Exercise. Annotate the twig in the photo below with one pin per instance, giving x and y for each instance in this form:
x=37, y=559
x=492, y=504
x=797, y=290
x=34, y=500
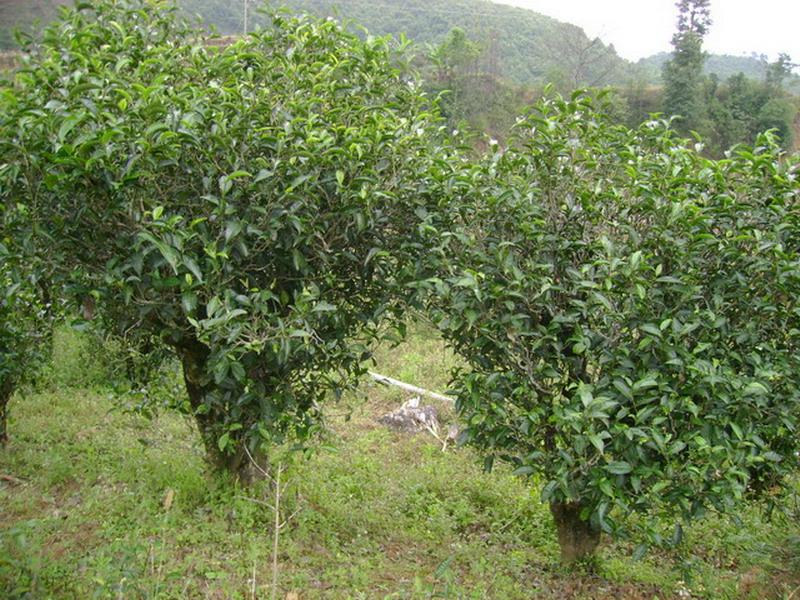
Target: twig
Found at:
x=408, y=387
x=276, y=533
x=253, y=583
x=794, y=591
x=257, y=501
x=12, y=479
x=255, y=464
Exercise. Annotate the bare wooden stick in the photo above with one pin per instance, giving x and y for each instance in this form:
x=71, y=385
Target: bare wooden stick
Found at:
x=253, y=583
x=253, y=461
x=408, y=387
x=11, y=479
x=276, y=532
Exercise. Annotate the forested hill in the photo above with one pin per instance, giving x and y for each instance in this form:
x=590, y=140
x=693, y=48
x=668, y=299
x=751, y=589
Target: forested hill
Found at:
x=722, y=65
x=520, y=44
x=24, y=14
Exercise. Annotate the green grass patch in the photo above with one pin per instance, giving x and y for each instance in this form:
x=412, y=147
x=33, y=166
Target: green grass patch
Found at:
x=379, y=514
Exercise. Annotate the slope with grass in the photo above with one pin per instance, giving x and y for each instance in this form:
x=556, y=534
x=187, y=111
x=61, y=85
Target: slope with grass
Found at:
x=95, y=502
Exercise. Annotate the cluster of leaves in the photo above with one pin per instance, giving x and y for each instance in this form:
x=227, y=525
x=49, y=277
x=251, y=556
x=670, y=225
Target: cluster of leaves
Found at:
x=628, y=313
x=250, y=210
x=25, y=313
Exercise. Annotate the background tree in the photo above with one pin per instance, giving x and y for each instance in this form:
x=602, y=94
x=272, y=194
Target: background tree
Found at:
x=253, y=209
x=778, y=72
x=683, y=73
x=472, y=95
x=577, y=61
x=626, y=311
x=742, y=108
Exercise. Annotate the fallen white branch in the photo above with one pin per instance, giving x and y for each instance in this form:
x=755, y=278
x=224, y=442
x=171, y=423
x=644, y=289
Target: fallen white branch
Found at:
x=408, y=387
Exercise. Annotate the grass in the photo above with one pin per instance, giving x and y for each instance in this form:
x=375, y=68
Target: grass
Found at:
x=97, y=503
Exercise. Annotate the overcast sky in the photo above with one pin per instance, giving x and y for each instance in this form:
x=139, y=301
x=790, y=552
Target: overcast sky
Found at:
x=639, y=28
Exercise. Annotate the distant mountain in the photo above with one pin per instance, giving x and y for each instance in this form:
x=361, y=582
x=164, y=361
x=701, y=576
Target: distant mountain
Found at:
x=26, y=15
x=521, y=45
x=723, y=65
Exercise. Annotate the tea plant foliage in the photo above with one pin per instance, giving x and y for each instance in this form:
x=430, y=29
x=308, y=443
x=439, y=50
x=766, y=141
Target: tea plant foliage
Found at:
x=25, y=311
x=627, y=312
x=250, y=209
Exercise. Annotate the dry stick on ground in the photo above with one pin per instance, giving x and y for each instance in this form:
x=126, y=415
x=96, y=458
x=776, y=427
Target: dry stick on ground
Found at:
x=422, y=391
x=11, y=479
x=280, y=488
x=408, y=387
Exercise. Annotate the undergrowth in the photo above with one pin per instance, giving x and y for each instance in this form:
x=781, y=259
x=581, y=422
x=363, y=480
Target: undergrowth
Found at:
x=99, y=503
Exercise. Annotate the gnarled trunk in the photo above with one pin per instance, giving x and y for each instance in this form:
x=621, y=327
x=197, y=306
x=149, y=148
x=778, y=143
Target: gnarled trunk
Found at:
x=577, y=538
x=6, y=389
x=199, y=385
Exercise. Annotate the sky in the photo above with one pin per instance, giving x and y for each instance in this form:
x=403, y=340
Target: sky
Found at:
x=639, y=28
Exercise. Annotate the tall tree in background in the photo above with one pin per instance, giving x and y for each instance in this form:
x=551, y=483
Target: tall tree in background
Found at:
x=778, y=72
x=683, y=73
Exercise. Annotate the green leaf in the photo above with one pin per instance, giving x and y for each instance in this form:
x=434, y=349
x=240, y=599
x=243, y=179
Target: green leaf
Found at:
x=585, y=393
x=677, y=534
x=189, y=302
x=597, y=442
x=639, y=552
x=68, y=125
x=618, y=468
x=190, y=264
x=651, y=328
x=645, y=383
x=262, y=175
x=755, y=389
x=297, y=182
x=323, y=306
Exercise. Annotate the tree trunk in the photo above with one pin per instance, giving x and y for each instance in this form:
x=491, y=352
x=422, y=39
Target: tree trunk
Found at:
x=577, y=538
x=209, y=418
x=6, y=389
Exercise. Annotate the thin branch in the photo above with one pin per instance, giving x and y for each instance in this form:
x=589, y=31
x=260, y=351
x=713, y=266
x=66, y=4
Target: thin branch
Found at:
x=257, y=501
x=276, y=533
x=255, y=464
x=408, y=387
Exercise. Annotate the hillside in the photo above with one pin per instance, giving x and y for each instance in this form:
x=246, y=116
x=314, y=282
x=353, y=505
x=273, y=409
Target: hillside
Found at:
x=26, y=15
x=722, y=65
x=521, y=45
